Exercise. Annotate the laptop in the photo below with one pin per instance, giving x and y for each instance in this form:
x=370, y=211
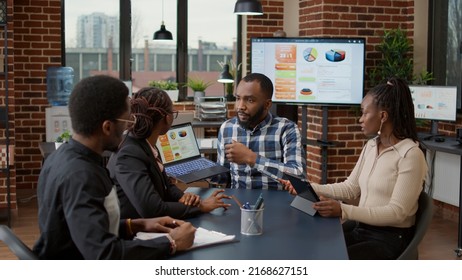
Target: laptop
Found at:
x=181, y=156
x=306, y=196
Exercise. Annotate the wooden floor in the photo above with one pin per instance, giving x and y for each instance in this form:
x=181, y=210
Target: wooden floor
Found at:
x=438, y=244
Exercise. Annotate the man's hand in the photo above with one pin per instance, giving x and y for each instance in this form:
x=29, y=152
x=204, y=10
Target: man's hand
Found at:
x=214, y=201
x=190, y=199
x=328, y=207
x=183, y=236
x=238, y=153
x=180, y=231
x=161, y=224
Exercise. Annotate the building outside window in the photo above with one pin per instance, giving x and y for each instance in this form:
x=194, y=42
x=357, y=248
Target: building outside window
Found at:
x=92, y=35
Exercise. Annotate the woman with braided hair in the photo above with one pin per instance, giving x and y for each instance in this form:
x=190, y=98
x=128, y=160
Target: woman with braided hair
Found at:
x=387, y=179
x=143, y=187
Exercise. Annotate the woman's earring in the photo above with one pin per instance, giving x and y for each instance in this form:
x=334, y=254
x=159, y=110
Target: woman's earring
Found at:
x=380, y=129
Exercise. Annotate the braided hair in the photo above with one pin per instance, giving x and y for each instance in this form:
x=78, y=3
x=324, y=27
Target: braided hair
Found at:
x=149, y=105
x=395, y=98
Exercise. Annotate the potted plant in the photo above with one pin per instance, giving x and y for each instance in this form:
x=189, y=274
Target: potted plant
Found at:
x=198, y=86
x=169, y=86
x=63, y=138
x=395, y=49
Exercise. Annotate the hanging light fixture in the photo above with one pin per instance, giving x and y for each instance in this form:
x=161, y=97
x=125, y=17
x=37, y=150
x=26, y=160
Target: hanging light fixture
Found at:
x=225, y=76
x=248, y=7
x=162, y=33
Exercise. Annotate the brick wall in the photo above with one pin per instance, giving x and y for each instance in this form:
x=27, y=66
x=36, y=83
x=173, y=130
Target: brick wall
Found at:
x=3, y=93
x=266, y=24
x=36, y=44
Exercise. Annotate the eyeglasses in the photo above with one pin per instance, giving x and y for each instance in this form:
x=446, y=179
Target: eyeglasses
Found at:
x=174, y=114
x=132, y=121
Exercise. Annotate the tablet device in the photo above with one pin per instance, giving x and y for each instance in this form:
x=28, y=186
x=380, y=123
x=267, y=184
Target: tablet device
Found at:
x=303, y=188
x=306, y=196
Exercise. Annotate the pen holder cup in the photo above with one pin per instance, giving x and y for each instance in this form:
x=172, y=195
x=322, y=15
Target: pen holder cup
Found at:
x=252, y=221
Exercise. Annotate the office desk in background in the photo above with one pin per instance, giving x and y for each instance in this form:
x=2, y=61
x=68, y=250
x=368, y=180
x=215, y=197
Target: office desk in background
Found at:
x=287, y=232
x=449, y=146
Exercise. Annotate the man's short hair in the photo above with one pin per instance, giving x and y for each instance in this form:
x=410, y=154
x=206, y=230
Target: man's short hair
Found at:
x=95, y=100
x=265, y=83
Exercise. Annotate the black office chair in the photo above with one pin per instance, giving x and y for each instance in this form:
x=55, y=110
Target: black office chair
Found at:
x=15, y=244
x=424, y=216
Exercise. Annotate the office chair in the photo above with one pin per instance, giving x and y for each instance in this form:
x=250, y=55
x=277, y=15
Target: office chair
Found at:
x=15, y=244
x=424, y=216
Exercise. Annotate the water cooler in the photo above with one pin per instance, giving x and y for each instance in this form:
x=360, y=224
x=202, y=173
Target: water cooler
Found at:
x=60, y=81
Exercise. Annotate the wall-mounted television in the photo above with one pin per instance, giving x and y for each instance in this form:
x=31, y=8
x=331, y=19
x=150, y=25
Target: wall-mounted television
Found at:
x=327, y=71
x=435, y=103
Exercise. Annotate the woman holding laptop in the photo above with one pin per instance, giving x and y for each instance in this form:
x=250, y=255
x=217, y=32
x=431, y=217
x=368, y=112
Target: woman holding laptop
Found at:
x=387, y=178
x=143, y=187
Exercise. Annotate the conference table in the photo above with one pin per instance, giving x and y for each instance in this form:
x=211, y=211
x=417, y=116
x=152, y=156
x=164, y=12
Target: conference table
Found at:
x=288, y=233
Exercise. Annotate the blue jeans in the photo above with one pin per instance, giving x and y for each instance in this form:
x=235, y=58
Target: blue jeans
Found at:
x=366, y=242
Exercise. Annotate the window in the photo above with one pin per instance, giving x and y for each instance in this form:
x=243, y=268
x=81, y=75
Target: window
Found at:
x=92, y=35
x=446, y=48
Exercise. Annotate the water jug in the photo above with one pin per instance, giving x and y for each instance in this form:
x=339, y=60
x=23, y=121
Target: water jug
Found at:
x=60, y=81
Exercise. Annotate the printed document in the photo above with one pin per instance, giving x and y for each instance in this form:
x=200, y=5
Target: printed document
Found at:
x=202, y=238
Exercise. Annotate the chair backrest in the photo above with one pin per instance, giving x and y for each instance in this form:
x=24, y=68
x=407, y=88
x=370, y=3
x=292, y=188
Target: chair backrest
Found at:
x=15, y=244
x=423, y=217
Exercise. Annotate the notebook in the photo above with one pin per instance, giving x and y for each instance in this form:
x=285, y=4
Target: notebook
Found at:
x=306, y=196
x=203, y=237
x=181, y=156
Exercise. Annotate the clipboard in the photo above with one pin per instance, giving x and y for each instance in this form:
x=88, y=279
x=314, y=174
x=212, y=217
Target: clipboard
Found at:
x=306, y=196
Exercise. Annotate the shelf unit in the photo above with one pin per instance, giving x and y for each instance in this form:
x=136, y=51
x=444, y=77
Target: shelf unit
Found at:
x=211, y=108
x=4, y=105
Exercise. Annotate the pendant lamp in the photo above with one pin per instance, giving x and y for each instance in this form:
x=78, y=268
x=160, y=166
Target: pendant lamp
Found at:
x=248, y=7
x=162, y=33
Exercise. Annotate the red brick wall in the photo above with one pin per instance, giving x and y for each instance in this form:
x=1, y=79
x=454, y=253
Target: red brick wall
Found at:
x=3, y=92
x=266, y=24
x=36, y=44
x=37, y=39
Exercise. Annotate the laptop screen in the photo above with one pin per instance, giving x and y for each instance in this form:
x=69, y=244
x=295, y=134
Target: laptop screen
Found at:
x=178, y=143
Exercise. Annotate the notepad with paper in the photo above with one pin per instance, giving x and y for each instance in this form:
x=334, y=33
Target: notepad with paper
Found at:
x=203, y=237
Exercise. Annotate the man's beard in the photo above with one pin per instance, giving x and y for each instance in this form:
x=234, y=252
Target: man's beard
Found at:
x=252, y=121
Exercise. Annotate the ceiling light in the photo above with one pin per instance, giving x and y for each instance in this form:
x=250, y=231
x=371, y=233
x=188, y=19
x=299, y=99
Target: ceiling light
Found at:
x=162, y=33
x=248, y=7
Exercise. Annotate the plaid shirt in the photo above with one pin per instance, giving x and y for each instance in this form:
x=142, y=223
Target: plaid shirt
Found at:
x=277, y=143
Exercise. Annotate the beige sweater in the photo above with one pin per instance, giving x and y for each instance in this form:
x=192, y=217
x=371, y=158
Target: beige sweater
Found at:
x=388, y=185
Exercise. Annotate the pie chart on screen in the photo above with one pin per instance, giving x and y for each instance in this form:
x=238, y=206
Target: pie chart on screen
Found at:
x=310, y=54
x=335, y=55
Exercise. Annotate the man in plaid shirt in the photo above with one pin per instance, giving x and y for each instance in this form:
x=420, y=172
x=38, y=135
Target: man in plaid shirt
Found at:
x=257, y=146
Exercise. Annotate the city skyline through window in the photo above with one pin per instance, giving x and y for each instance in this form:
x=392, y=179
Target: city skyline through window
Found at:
x=92, y=39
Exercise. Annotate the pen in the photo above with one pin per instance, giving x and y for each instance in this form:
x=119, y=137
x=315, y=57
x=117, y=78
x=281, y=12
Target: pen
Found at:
x=258, y=203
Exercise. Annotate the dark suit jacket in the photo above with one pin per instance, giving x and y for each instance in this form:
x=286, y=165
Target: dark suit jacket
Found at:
x=143, y=190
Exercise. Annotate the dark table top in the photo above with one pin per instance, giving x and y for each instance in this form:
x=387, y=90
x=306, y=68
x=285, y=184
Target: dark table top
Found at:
x=287, y=232
x=442, y=144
